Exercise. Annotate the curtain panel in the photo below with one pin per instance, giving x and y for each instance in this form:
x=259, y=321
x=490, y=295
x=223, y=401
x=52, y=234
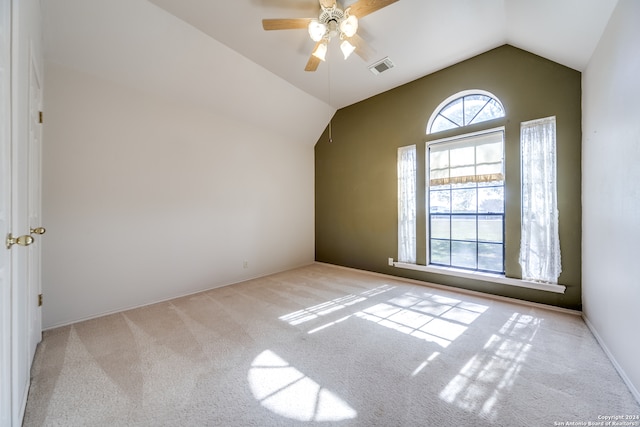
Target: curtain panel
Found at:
x=407, y=178
x=540, y=242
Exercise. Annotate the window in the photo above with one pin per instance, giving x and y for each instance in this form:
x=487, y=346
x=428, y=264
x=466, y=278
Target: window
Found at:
x=465, y=197
x=466, y=202
x=463, y=109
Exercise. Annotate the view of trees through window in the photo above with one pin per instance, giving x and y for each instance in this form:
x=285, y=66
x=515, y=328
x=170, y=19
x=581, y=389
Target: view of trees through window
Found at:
x=466, y=203
x=466, y=110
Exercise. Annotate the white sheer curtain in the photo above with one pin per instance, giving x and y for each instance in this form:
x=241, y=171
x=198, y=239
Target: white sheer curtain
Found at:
x=540, y=242
x=407, y=204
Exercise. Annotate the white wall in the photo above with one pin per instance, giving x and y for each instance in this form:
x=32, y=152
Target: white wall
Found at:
x=611, y=190
x=147, y=199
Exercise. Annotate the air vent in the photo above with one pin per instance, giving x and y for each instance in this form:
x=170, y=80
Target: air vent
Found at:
x=381, y=66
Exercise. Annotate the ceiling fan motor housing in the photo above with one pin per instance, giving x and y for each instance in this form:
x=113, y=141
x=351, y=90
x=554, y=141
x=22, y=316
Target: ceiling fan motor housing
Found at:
x=331, y=14
x=337, y=22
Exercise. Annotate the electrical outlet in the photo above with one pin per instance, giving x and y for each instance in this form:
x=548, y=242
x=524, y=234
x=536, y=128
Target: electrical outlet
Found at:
x=245, y=264
x=391, y=262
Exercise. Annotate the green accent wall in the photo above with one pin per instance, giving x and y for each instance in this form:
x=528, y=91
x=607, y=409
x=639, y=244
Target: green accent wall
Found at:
x=356, y=179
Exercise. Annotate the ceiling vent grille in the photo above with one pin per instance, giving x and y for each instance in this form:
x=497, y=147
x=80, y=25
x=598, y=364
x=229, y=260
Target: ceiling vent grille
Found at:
x=381, y=66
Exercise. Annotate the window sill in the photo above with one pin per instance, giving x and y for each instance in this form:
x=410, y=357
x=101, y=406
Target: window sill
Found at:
x=488, y=277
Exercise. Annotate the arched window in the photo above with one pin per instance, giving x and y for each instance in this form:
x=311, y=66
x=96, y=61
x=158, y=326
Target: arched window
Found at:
x=463, y=109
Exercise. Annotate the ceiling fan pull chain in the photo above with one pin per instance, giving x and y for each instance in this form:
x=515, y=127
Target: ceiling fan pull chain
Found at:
x=329, y=90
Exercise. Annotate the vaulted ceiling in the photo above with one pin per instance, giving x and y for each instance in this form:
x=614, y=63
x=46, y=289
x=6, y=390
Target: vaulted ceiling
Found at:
x=217, y=54
x=419, y=36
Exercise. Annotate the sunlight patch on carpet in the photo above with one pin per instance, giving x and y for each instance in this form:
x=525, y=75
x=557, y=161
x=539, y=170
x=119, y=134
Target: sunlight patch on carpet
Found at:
x=286, y=391
x=318, y=310
x=326, y=325
x=430, y=317
x=425, y=363
x=490, y=374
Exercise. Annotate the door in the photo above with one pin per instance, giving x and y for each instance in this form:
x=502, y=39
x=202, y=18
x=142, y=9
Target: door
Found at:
x=5, y=212
x=34, y=317
x=20, y=103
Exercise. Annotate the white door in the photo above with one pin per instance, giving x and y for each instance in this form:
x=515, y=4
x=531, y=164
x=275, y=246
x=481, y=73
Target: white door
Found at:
x=20, y=102
x=5, y=213
x=35, y=225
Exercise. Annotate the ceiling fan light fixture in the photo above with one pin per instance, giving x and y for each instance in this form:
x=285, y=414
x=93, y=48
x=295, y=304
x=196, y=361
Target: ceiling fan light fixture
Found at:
x=333, y=22
x=349, y=26
x=347, y=48
x=317, y=30
x=321, y=51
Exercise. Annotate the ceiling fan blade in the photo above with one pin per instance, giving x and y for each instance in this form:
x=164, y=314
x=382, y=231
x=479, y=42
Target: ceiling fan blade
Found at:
x=362, y=8
x=286, y=24
x=314, y=61
x=363, y=50
x=327, y=3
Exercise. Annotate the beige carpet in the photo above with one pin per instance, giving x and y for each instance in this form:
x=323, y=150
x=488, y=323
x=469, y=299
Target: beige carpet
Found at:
x=324, y=346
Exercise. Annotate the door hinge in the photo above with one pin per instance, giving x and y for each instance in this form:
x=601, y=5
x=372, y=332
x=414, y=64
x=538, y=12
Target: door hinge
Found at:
x=39, y=300
x=40, y=117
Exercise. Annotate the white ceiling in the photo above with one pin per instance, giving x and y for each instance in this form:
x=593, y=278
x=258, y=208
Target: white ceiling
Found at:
x=214, y=53
x=419, y=36
x=138, y=45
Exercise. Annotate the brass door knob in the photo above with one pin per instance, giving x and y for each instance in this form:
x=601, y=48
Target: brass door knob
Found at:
x=38, y=230
x=25, y=240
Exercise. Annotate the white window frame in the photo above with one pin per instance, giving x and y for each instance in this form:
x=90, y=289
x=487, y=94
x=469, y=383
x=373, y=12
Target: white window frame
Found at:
x=456, y=138
x=459, y=95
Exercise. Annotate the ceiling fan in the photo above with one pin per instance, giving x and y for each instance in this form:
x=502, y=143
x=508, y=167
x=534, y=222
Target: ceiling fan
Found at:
x=332, y=22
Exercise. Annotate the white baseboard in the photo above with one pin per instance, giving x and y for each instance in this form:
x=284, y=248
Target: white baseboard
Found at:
x=23, y=404
x=632, y=388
